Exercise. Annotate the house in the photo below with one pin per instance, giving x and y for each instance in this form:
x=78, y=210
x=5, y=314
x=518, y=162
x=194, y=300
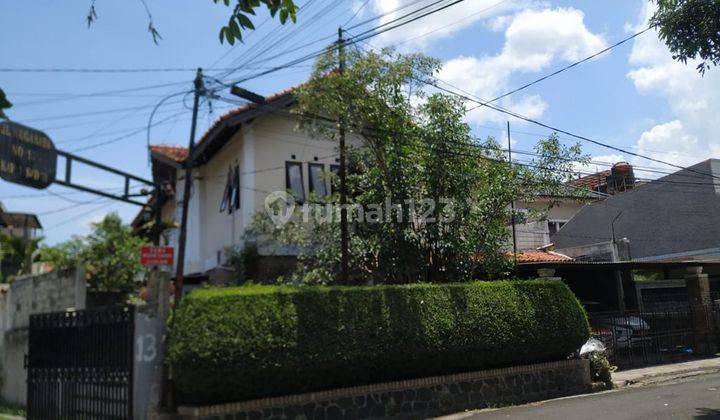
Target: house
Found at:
x=19, y=225
x=247, y=154
x=674, y=217
x=25, y=226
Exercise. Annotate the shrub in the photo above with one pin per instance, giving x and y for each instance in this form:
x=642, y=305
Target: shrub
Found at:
x=247, y=342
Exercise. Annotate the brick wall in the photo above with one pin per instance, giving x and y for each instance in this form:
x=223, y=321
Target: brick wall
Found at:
x=416, y=398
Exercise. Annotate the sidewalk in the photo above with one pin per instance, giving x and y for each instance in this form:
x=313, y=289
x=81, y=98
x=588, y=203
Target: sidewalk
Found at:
x=664, y=373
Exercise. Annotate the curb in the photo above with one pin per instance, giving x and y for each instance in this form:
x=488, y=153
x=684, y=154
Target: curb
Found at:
x=650, y=379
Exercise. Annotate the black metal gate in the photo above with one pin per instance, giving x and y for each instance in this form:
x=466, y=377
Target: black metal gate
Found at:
x=656, y=336
x=80, y=365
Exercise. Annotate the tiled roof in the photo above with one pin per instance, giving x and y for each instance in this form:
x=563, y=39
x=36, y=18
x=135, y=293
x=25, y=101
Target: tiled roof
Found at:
x=591, y=182
x=179, y=154
x=541, y=256
x=239, y=110
x=174, y=153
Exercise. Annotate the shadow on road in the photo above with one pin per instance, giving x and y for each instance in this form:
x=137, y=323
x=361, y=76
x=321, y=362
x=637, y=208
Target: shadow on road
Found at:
x=707, y=413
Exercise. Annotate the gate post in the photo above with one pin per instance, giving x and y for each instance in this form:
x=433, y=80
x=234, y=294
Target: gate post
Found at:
x=698, y=290
x=150, y=326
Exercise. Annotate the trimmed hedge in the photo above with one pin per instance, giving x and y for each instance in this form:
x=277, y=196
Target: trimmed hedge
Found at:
x=235, y=344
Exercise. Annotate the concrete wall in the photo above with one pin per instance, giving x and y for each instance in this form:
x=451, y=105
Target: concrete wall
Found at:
x=535, y=233
x=51, y=292
x=416, y=398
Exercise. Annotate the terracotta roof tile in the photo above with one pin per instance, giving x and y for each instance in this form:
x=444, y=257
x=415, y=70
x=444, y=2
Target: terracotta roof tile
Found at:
x=541, y=256
x=591, y=182
x=174, y=153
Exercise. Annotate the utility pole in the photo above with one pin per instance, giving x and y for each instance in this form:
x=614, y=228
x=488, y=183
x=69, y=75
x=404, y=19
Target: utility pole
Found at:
x=512, y=200
x=344, y=237
x=187, y=186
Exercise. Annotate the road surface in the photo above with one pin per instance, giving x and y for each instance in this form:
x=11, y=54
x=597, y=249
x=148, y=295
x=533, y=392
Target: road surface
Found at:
x=696, y=398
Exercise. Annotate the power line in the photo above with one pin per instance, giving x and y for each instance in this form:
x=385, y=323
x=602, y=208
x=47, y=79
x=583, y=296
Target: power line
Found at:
x=363, y=36
x=577, y=63
x=356, y=12
x=116, y=139
x=94, y=209
x=471, y=98
x=113, y=70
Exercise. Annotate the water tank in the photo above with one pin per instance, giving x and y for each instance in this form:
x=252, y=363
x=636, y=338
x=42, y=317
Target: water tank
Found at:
x=623, y=176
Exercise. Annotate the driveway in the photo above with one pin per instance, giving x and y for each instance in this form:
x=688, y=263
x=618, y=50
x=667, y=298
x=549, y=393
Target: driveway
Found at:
x=696, y=398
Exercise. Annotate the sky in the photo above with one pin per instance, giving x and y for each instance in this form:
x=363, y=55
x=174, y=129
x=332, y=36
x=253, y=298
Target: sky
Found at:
x=635, y=97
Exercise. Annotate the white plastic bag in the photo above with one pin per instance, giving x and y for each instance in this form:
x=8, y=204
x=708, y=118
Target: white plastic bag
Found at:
x=591, y=346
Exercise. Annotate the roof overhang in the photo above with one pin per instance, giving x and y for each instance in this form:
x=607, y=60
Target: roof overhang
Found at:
x=226, y=127
x=618, y=265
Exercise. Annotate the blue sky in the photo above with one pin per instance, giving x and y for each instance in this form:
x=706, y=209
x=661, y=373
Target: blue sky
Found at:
x=635, y=97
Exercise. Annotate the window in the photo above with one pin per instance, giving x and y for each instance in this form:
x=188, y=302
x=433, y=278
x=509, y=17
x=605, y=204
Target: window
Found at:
x=294, y=180
x=335, y=180
x=555, y=225
x=316, y=179
x=231, y=195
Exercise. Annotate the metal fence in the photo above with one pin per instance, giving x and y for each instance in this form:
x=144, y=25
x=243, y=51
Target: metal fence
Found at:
x=80, y=365
x=638, y=338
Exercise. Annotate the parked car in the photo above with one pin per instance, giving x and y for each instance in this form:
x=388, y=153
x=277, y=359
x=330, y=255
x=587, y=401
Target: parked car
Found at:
x=626, y=331
x=617, y=330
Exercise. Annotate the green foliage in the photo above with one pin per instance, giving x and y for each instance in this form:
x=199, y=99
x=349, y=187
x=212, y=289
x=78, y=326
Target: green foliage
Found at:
x=600, y=369
x=420, y=155
x=231, y=344
x=239, y=20
x=19, y=253
x=4, y=104
x=245, y=261
x=64, y=256
x=12, y=409
x=690, y=29
x=110, y=255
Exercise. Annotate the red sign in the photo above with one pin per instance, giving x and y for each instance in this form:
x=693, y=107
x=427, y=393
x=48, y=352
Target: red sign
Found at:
x=156, y=255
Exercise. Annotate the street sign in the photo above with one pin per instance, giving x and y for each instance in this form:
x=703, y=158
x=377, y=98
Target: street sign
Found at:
x=156, y=255
x=27, y=156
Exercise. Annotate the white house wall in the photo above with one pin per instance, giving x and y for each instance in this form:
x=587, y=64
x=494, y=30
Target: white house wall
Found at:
x=261, y=149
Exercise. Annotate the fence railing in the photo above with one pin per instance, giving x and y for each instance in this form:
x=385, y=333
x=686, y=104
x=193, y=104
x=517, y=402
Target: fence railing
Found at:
x=655, y=336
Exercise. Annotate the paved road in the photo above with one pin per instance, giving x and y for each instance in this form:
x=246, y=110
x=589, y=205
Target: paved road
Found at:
x=697, y=398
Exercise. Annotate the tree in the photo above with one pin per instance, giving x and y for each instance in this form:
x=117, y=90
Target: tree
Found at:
x=238, y=22
x=18, y=253
x=4, y=104
x=110, y=255
x=449, y=192
x=690, y=29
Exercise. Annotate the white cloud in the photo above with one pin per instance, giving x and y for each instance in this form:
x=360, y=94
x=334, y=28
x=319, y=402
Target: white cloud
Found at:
x=534, y=39
x=441, y=24
x=690, y=135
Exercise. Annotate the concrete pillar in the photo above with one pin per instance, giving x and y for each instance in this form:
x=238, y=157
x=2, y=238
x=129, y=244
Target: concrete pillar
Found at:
x=150, y=331
x=698, y=289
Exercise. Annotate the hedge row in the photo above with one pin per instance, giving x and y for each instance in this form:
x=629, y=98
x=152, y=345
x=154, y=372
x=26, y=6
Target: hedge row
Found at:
x=235, y=344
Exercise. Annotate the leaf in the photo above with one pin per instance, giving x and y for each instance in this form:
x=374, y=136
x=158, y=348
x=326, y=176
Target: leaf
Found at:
x=245, y=21
x=229, y=36
x=4, y=104
x=222, y=34
x=283, y=16
x=234, y=28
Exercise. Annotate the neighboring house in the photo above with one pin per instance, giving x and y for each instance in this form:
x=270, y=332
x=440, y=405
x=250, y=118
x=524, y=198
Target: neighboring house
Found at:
x=672, y=218
x=247, y=154
x=591, y=188
x=20, y=225
x=534, y=234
